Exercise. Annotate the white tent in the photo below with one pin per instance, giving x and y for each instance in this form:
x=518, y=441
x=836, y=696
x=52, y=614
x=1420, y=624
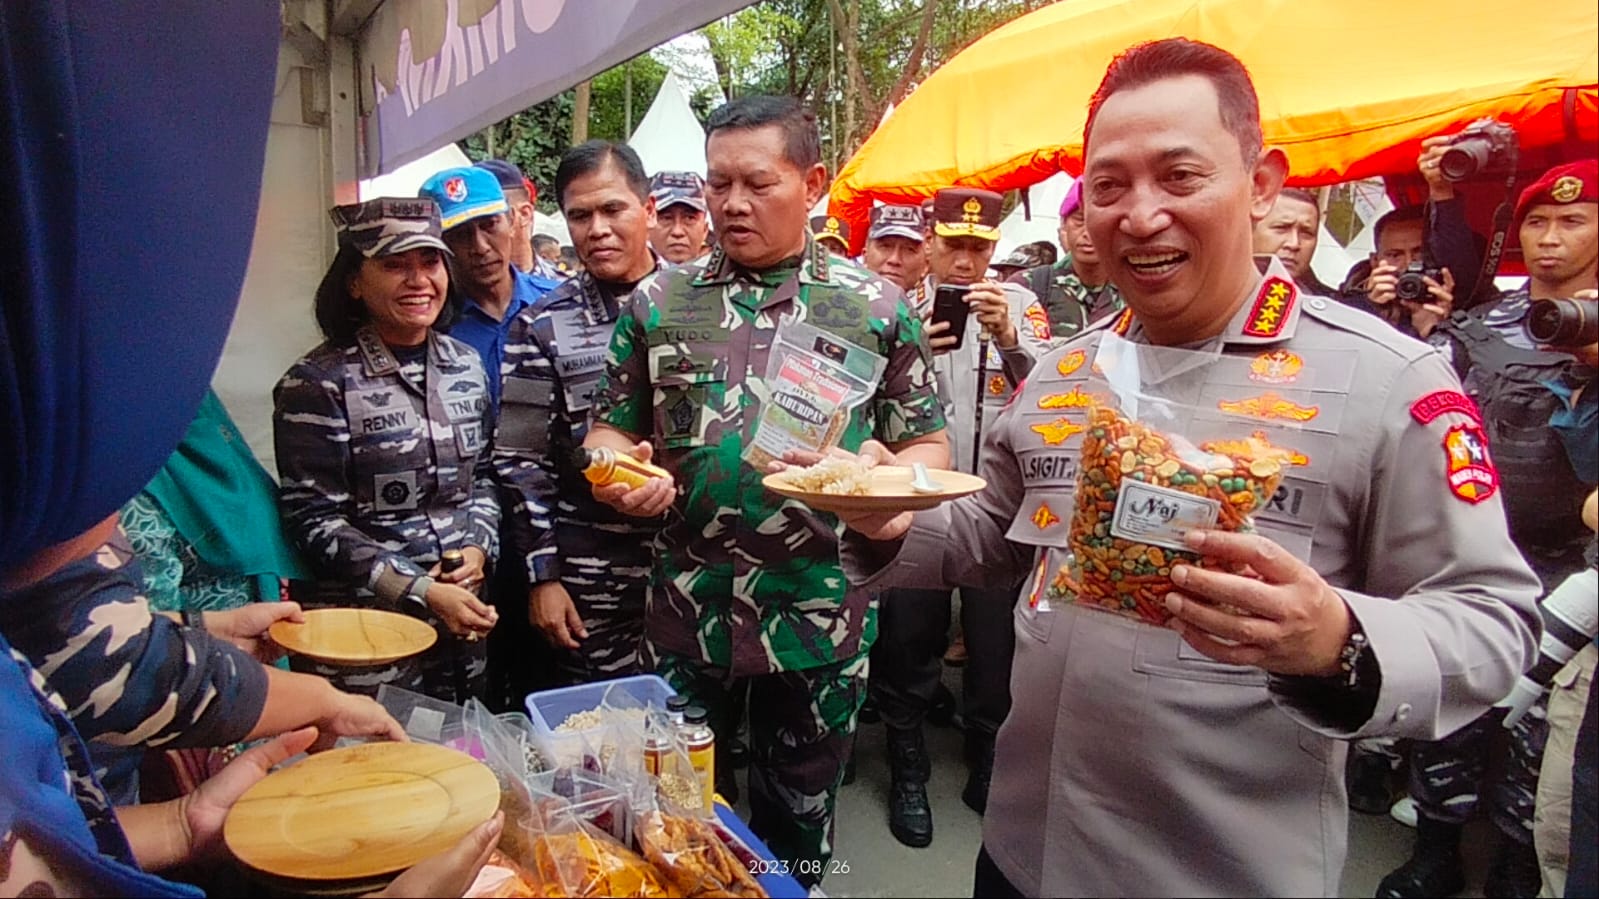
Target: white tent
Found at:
x=670, y=137
x=1044, y=198
x=406, y=180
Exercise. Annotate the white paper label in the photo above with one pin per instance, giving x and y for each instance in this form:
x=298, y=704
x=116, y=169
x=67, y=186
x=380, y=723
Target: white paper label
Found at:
x=1159, y=516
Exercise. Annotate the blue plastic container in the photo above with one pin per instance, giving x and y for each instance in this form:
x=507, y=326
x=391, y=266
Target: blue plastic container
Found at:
x=550, y=708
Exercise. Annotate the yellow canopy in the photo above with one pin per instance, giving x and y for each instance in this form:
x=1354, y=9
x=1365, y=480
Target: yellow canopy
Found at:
x=1347, y=87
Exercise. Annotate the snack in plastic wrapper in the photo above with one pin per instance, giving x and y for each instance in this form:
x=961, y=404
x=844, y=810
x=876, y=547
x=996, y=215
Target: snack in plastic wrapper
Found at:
x=1133, y=476
x=502, y=878
x=693, y=858
x=588, y=863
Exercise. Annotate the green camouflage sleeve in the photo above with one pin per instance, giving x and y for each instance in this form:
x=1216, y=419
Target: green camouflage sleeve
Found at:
x=906, y=403
x=622, y=399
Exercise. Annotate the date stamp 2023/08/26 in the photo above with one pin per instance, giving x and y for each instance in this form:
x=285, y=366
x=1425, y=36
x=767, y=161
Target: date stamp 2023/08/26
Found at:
x=811, y=867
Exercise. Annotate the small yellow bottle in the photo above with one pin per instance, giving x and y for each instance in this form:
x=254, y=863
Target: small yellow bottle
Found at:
x=603, y=465
x=699, y=741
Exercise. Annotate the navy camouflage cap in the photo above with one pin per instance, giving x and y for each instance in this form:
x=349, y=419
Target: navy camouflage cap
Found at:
x=678, y=189
x=897, y=221
x=388, y=225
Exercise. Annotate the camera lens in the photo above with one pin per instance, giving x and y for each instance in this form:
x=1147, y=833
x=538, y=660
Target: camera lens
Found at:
x=1465, y=158
x=1565, y=323
x=1410, y=287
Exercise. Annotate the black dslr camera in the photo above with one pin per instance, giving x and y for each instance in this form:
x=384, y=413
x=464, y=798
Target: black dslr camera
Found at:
x=1563, y=323
x=1485, y=147
x=1411, y=285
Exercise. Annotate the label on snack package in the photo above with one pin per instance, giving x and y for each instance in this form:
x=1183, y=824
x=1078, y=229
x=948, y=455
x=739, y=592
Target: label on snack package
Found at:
x=1159, y=516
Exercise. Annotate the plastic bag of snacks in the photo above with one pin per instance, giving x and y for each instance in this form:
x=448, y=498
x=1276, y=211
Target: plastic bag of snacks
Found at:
x=691, y=856
x=587, y=862
x=814, y=382
x=503, y=878
x=1142, y=483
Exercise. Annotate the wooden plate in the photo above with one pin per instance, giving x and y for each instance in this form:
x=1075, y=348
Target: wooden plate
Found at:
x=361, y=811
x=890, y=491
x=354, y=636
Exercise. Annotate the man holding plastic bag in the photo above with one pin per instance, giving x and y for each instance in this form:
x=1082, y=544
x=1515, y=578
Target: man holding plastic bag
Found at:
x=1255, y=526
x=770, y=347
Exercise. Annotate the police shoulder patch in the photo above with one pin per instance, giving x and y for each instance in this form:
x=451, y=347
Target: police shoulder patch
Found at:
x=1469, y=469
x=1440, y=402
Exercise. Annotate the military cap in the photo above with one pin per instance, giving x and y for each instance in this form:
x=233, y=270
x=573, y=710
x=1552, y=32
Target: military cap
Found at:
x=510, y=176
x=388, y=225
x=464, y=194
x=1574, y=182
x=967, y=212
x=897, y=221
x=678, y=189
x=831, y=227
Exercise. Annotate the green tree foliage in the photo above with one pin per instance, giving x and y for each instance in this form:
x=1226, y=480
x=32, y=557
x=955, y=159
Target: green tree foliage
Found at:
x=793, y=47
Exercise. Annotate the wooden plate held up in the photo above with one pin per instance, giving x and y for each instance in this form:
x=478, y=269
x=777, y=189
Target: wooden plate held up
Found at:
x=361, y=811
x=889, y=491
x=354, y=636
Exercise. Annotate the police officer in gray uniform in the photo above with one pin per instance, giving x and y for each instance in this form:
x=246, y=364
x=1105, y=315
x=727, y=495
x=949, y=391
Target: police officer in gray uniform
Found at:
x=1198, y=749
x=382, y=438
x=588, y=564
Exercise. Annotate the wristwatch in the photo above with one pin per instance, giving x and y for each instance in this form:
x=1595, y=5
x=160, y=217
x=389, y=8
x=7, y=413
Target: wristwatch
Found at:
x=419, y=589
x=194, y=618
x=1351, y=657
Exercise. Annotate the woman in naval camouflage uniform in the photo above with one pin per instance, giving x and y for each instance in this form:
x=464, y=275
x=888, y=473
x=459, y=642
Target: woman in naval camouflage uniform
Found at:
x=381, y=438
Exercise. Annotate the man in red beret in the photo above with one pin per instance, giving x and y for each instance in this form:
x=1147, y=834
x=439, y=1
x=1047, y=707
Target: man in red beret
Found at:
x=1525, y=392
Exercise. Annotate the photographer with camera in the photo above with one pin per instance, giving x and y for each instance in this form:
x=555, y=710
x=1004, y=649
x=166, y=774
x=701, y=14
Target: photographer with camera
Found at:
x=1537, y=403
x=1405, y=289
x=1484, y=148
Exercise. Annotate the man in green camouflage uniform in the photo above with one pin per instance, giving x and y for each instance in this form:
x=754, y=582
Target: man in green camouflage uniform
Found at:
x=1076, y=290
x=747, y=589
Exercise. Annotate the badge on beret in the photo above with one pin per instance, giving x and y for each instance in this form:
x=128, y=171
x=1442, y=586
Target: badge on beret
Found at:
x=1471, y=473
x=1566, y=189
x=455, y=189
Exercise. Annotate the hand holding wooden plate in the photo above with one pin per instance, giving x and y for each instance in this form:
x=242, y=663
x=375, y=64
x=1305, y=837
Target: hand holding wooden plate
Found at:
x=361, y=811
x=354, y=636
x=888, y=490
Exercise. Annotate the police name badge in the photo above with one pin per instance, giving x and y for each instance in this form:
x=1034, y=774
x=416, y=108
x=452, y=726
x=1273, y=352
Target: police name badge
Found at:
x=1146, y=513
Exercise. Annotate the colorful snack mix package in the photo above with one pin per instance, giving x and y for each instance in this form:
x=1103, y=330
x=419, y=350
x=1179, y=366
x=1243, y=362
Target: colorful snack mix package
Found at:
x=1138, y=490
x=1142, y=482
